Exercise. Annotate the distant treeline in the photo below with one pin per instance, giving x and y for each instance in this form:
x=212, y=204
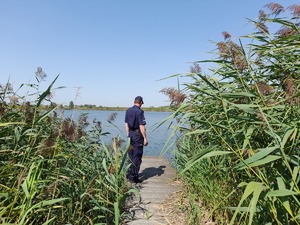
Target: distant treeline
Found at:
x=115, y=108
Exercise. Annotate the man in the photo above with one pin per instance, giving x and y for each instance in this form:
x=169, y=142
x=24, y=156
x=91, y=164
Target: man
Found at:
x=135, y=129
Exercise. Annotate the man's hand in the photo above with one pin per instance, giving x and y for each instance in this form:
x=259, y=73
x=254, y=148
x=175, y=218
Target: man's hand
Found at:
x=145, y=141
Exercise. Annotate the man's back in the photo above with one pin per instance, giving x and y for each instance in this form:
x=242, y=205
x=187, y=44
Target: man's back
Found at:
x=134, y=117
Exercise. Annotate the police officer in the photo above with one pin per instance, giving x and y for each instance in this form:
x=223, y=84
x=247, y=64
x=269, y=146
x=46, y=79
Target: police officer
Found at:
x=135, y=129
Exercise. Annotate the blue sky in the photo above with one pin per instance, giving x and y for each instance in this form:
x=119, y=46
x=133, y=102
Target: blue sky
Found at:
x=114, y=50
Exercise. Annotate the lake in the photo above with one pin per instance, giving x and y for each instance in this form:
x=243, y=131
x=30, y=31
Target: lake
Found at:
x=157, y=136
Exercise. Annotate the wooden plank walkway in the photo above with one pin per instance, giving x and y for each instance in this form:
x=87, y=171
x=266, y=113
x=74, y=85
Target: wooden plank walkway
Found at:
x=158, y=183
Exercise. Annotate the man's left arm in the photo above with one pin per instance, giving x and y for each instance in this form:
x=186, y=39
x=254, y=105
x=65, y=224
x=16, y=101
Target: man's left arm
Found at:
x=143, y=132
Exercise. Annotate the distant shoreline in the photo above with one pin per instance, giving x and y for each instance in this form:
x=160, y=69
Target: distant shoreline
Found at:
x=106, y=108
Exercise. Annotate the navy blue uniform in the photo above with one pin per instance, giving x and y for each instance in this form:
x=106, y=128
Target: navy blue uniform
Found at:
x=134, y=118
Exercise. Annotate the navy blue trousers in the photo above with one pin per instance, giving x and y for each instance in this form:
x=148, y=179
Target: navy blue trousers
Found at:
x=135, y=154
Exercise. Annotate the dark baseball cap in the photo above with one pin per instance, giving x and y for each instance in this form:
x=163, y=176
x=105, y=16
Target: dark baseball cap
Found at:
x=139, y=99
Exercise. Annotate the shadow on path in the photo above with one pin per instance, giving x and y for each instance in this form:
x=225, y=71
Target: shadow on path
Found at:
x=151, y=172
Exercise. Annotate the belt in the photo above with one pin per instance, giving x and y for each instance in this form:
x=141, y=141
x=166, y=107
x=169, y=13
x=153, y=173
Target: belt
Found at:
x=135, y=130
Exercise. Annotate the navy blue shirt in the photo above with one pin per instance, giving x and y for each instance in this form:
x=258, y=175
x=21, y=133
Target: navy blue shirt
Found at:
x=134, y=117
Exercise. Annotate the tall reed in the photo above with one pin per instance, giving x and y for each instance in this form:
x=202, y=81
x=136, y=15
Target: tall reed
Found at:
x=239, y=145
x=53, y=170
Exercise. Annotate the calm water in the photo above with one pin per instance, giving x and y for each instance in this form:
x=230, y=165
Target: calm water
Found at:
x=157, y=136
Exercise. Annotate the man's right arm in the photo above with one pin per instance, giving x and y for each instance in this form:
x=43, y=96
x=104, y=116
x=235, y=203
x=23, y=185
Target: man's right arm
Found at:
x=127, y=129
